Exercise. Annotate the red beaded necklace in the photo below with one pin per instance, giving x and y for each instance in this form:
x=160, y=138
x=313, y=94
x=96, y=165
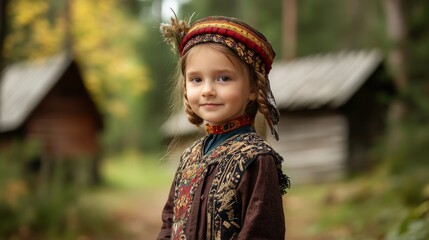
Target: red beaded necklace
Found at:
x=229, y=126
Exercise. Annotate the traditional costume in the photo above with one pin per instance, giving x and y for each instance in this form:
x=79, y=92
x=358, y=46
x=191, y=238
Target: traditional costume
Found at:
x=228, y=184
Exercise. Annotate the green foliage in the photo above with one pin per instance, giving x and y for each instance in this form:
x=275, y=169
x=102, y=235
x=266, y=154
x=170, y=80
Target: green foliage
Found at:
x=373, y=206
x=408, y=168
x=411, y=187
x=39, y=197
x=356, y=208
x=336, y=25
x=154, y=105
x=407, y=155
x=415, y=226
x=132, y=170
x=417, y=22
x=12, y=187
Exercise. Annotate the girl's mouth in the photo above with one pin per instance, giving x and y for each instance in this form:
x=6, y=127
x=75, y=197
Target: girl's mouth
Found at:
x=210, y=105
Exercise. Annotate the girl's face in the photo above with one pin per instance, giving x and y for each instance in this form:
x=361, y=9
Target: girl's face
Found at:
x=217, y=84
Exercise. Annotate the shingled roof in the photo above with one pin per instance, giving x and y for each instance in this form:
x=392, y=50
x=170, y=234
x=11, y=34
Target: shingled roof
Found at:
x=322, y=80
x=24, y=85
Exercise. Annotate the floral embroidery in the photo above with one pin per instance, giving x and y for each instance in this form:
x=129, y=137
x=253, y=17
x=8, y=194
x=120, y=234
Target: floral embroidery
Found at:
x=188, y=177
x=229, y=126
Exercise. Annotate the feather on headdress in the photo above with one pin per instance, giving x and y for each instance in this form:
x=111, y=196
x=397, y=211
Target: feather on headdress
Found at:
x=174, y=32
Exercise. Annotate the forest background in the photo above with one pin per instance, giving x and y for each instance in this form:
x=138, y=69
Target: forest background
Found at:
x=128, y=69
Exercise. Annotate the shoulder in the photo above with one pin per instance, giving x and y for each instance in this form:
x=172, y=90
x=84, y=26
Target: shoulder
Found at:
x=264, y=154
x=245, y=148
x=255, y=146
x=195, y=145
x=254, y=141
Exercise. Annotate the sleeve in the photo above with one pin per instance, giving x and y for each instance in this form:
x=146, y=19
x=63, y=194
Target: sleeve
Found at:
x=167, y=216
x=262, y=206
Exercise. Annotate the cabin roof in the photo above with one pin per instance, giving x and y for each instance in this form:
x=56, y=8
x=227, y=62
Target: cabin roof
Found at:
x=322, y=80
x=24, y=85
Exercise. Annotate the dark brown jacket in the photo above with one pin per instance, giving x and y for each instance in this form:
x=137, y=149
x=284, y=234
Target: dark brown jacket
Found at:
x=260, y=198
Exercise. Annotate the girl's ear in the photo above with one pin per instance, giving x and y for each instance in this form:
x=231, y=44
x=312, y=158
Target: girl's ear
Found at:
x=252, y=96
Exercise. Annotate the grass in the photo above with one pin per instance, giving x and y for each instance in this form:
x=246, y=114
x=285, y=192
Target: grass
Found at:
x=133, y=194
x=370, y=206
x=126, y=206
x=133, y=171
x=128, y=177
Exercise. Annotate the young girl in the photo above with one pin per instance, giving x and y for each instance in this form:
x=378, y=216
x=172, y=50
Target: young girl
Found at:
x=229, y=183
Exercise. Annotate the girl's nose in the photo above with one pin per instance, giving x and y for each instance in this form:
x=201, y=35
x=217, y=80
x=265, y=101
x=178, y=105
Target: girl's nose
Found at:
x=208, y=89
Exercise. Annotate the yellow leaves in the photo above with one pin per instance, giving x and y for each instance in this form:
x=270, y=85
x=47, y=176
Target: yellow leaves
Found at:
x=26, y=12
x=32, y=35
x=130, y=76
x=118, y=108
x=13, y=191
x=49, y=38
x=106, y=36
x=11, y=40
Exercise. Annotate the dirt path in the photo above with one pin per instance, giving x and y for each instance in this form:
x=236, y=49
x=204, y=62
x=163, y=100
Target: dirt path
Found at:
x=301, y=218
x=140, y=216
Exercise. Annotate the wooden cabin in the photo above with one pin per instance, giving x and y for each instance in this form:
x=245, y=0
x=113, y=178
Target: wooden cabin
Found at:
x=332, y=113
x=47, y=101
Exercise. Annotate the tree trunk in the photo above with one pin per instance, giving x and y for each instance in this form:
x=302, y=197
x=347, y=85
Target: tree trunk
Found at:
x=68, y=37
x=355, y=14
x=396, y=32
x=3, y=19
x=289, y=31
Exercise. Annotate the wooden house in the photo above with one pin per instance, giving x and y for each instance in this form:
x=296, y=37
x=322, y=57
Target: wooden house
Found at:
x=46, y=101
x=331, y=110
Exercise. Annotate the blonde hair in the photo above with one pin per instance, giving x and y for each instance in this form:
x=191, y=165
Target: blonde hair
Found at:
x=257, y=80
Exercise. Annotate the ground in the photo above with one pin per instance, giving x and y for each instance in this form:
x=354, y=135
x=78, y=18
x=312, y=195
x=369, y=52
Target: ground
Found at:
x=140, y=215
x=367, y=207
x=136, y=202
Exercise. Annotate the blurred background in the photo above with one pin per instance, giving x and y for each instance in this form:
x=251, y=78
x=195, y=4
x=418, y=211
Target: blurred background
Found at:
x=85, y=117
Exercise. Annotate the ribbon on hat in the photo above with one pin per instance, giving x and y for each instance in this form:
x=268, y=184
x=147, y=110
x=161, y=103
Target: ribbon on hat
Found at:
x=274, y=111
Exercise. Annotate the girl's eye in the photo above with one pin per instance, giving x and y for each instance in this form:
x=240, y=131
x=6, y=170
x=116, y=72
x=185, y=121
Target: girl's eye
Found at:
x=195, y=80
x=224, y=78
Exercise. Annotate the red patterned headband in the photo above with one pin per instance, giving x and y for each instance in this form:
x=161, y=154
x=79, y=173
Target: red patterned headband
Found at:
x=234, y=34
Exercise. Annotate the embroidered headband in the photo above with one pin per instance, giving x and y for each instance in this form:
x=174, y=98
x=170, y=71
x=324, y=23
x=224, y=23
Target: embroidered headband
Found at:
x=250, y=45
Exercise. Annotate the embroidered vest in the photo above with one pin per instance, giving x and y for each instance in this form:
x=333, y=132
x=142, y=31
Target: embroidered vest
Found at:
x=223, y=210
